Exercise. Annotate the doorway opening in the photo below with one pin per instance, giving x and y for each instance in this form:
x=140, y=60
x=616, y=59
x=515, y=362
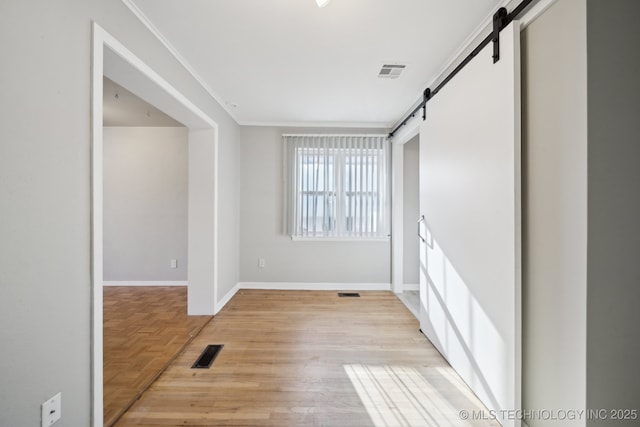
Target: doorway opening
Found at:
x=113, y=60
x=410, y=216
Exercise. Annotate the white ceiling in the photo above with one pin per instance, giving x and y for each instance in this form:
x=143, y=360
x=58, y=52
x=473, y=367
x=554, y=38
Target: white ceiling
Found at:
x=122, y=108
x=288, y=62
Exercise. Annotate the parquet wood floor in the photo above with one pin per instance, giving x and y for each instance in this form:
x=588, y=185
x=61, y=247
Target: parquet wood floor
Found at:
x=308, y=358
x=145, y=328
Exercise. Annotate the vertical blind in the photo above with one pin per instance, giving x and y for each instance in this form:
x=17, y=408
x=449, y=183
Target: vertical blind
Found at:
x=337, y=186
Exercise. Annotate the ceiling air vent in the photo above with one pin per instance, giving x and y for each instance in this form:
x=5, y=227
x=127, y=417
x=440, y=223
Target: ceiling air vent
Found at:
x=391, y=71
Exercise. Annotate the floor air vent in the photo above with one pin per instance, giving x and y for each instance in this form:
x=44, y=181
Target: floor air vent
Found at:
x=207, y=357
x=349, y=294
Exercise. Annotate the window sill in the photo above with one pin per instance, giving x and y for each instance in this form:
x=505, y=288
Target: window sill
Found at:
x=341, y=239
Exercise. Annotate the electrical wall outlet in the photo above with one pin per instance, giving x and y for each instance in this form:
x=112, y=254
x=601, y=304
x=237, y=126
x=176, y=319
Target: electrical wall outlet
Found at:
x=261, y=263
x=52, y=410
x=174, y=263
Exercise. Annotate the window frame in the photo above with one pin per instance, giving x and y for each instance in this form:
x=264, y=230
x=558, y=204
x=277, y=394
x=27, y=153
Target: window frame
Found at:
x=378, y=222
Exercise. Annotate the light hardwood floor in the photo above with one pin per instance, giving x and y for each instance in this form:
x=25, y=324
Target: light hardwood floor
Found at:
x=145, y=328
x=309, y=359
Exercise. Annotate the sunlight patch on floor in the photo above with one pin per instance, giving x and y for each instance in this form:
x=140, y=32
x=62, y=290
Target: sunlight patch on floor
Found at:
x=401, y=396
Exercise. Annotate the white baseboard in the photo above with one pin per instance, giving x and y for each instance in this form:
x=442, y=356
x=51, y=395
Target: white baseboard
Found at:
x=143, y=283
x=302, y=286
x=411, y=287
x=225, y=299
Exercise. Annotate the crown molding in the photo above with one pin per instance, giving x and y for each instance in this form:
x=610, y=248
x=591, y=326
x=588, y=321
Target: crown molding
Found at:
x=349, y=125
x=187, y=66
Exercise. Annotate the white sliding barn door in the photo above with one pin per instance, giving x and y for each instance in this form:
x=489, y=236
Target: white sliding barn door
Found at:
x=470, y=198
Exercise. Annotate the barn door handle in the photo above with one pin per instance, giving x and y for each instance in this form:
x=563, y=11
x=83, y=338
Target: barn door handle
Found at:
x=420, y=221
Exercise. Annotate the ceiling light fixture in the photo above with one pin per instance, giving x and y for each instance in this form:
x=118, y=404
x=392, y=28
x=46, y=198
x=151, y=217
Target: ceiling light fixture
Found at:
x=322, y=3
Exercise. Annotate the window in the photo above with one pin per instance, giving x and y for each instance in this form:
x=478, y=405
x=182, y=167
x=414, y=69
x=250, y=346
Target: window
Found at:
x=337, y=186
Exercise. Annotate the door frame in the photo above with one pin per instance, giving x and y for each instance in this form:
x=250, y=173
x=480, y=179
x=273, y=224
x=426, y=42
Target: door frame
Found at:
x=110, y=57
x=410, y=130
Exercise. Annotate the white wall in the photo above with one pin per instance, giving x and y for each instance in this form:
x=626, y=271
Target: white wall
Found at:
x=580, y=153
x=263, y=233
x=45, y=289
x=411, y=211
x=202, y=248
x=228, y=209
x=554, y=172
x=145, y=203
x=613, y=281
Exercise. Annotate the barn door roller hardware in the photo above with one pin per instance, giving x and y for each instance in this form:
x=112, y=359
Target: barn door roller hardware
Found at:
x=500, y=21
x=426, y=95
